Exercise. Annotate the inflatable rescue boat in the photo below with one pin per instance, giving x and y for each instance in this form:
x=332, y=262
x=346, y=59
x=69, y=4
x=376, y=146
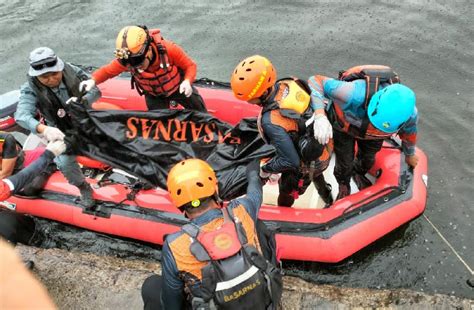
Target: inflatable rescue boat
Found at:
x=305, y=232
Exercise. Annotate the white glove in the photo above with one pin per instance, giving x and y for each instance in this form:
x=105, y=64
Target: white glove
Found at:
x=322, y=129
x=185, y=88
x=272, y=177
x=53, y=134
x=86, y=85
x=57, y=147
x=71, y=100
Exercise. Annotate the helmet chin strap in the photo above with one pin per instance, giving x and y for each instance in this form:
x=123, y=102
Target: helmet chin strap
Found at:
x=267, y=94
x=218, y=200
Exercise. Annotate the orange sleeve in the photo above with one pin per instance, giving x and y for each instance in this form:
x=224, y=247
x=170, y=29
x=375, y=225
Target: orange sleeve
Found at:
x=181, y=60
x=108, y=71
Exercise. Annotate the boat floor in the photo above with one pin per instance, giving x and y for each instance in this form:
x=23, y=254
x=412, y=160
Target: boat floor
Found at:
x=310, y=199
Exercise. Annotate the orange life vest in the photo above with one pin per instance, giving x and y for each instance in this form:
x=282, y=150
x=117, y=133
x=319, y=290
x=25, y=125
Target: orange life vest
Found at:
x=374, y=75
x=163, y=81
x=287, y=109
x=292, y=121
x=188, y=266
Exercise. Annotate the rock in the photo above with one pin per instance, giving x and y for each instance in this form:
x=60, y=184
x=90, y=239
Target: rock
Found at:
x=87, y=281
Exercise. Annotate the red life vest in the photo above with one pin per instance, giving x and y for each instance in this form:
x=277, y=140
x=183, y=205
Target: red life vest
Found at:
x=374, y=75
x=163, y=81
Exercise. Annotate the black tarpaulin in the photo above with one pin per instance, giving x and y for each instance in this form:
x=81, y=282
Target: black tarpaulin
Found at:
x=148, y=144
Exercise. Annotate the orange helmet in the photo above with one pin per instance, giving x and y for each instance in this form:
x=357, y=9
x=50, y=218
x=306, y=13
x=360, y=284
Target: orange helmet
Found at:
x=252, y=77
x=191, y=180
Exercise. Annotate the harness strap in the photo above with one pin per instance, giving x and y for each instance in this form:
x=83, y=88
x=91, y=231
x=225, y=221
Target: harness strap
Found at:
x=191, y=230
x=197, y=249
x=162, y=54
x=135, y=85
x=238, y=225
x=372, y=86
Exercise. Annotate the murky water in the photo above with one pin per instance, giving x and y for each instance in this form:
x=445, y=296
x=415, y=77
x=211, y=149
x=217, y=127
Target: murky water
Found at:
x=429, y=44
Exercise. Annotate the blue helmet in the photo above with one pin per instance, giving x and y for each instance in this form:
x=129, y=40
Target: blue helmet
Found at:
x=390, y=107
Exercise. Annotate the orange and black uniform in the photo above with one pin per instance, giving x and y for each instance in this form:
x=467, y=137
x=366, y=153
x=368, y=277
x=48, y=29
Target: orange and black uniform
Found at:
x=284, y=134
x=169, y=66
x=180, y=269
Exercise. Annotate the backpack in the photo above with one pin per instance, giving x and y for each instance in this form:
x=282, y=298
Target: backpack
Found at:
x=374, y=75
x=237, y=275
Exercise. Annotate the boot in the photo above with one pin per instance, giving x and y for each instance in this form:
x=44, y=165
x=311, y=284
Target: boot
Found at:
x=327, y=196
x=324, y=191
x=361, y=181
x=285, y=200
x=86, y=195
x=344, y=190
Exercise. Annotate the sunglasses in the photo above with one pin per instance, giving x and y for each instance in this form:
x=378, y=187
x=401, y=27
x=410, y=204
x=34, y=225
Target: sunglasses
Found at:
x=45, y=63
x=136, y=60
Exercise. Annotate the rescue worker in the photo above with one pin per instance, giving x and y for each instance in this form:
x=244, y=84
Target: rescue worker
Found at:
x=13, y=159
x=160, y=69
x=52, y=85
x=213, y=244
x=285, y=123
x=366, y=108
x=15, y=183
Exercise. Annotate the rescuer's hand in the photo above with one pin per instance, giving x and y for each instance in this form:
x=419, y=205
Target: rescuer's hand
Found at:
x=186, y=88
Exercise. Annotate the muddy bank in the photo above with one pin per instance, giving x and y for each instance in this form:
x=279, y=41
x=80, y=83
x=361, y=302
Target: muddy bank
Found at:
x=86, y=281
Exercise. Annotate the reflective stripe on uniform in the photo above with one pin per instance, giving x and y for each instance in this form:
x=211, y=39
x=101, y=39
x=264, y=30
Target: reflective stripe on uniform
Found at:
x=9, y=183
x=237, y=280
